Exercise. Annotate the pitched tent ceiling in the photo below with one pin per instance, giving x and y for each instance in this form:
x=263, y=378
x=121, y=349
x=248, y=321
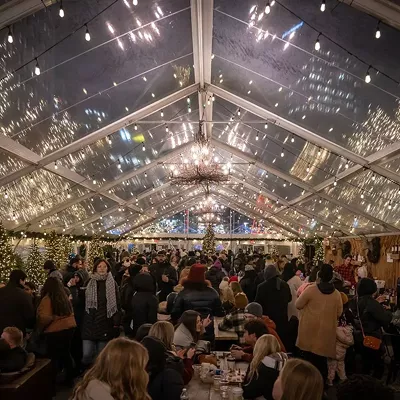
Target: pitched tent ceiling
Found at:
x=85, y=148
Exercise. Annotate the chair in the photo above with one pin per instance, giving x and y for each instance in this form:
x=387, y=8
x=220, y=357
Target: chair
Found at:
x=7, y=377
x=391, y=343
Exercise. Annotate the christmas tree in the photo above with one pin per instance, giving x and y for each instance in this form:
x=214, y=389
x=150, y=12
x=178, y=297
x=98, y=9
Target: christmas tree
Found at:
x=95, y=250
x=319, y=251
x=7, y=259
x=302, y=252
x=65, y=250
x=34, y=265
x=53, y=248
x=209, y=240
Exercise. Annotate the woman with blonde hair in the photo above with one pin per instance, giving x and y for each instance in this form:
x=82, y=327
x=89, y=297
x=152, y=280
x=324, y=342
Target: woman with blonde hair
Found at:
x=264, y=369
x=298, y=380
x=164, y=331
x=119, y=373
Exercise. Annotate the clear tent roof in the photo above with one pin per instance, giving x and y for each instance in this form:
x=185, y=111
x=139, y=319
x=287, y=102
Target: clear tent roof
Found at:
x=87, y=145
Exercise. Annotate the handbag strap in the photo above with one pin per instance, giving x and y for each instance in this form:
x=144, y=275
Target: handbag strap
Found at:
x=359, y=316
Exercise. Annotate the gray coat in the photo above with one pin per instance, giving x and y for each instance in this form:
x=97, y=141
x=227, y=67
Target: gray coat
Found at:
x=97, y=390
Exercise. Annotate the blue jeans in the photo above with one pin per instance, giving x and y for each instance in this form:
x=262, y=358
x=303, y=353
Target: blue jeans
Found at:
x=91, y=349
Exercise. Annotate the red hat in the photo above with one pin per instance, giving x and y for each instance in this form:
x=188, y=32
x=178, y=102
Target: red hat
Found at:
x=197, y=273
x=233, y=279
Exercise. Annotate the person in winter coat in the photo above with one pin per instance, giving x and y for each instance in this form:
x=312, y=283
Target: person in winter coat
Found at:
x=227, y=296
x=344, y=339
x=144, y=304
x=197, y=295
x=74, y=265
x=263, y=371
x=21, y=314
x=118, y=373
x=52, y=272
x=164, y=381
x=320, y=307
x=373, y=317
x=294, y=282
x=165, y=275
x=102, y=311
x=215, y=274
x=274, y=296
x=12, y=355
x=248, y=282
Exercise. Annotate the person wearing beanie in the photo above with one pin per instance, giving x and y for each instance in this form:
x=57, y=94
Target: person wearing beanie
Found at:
x=320, y=307
x=248, y=282
x=274, y=297
x=215, y=274
x=234, y=278
x=198, y=295
x=236, y=319
x=52, y=271
x=373, y=317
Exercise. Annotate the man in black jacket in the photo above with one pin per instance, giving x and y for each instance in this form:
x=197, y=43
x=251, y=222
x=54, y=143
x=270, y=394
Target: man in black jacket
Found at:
x=16, y=307
x=165, y=275
x=75, y=264
x=12, y=355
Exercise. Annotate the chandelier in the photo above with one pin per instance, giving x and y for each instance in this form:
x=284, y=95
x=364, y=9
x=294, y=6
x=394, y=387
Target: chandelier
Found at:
x=200, y=168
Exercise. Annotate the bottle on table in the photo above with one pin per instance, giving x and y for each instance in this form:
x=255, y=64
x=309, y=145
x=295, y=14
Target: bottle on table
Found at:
x=184, y=395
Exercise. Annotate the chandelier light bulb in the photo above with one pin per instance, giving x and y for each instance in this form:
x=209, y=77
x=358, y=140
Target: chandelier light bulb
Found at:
x=323, y=6
x=87, y=34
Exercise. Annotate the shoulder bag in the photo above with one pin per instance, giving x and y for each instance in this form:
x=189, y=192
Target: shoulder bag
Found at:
x=370, y=342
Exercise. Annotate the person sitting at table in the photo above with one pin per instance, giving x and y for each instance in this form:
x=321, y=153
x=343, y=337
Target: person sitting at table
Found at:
x=298, y=380
x=189, y=330
x=255, y=311
x=164, y=381
x=12, y=355
x=235, y=320
x=253, y=330
x=264, y=368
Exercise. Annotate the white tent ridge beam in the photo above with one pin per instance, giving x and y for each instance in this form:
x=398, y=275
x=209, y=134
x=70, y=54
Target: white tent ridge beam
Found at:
x=355, y=210
x=305, y=133
x=16, y=10
x=25, y=154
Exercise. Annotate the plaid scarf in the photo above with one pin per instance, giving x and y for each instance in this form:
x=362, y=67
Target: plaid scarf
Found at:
x=91, y=293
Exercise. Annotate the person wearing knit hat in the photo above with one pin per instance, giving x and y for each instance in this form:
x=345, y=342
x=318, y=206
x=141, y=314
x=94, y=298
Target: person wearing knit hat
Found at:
x=233, y=279
x=215, y=274
x=236, y=319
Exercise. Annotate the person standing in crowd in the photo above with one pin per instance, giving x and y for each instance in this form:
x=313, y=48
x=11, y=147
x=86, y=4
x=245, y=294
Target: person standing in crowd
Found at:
x=223, y=258
x=248, y=282
x=274, y=297
x=12, y=355
x=264, y=368
x=164, y=381
x=165, y=275
x=294, y=282
x=16, y=307
x=215, y=274
x=122, y=267
x=236, y=319
x=74, y=265
x=56, y=319
x=346, y=271
x=373, y=317
x=198, y=295
x=298, y=380
x=52, y=271
x=118, y=373
x=253, y=330
x=102, y=311
x=308, y=281
x=320, y=307
x=31, y=289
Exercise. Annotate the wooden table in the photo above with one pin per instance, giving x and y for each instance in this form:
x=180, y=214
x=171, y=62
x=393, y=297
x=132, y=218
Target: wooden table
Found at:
x=223, y=335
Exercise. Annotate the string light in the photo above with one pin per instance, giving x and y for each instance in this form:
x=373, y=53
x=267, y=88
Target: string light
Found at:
x=109, y=140
x=145, y=174
x=143, y=147
x=282, y=153
x=189, y=109
x=6, y=194
x=362, y=195
x=272, y=3
x=347, y=165
x=87, y=34
x=323, y=6
x=373, y=177
x=94, y=181
x=266, y=125
x=238, y=112
x=319, y=151
x=378, y=31
x=41, y=206
x=68, y=195
x=257, y=136
x=292, y=139
x=267, y=8
x=55, y=165
x=166, y=128
x=10, y=36
x=368, y=76
x=135, y=2
x=61, y=12
x=119, y=164
x=135, y=127
x=213, y=98
x=162, y=113
x=308, y=168
x=188, y=100
x=390, y=205
x=37, y=68
x=31, y=178
x=317, y=45
x=335, y=182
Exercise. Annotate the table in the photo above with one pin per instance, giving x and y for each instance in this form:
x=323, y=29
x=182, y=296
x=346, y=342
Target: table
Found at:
x=223, y=335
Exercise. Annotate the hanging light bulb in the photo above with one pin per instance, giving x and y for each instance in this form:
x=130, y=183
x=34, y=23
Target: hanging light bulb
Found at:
x=87, y=34
x=119, y=164
x=266, y=125
x=373, y=177
x=68, y=195
x=55, y=165
x=10, y=36
x=189, y=109
x=272, y=3
x=292, y=139
x=61, y=12
x=257, y=136
x=94, y=181
x=319, y=152
x=37, y=68
x=317, y=45
x=347, y=165
x=308, y=168
x=378, y=31
x=268, y=8
x=390, y=205
x=335, y=182
x=362, y=195
x=135, y=2
x=143, y=147
x=368, y=76
x=323, y=6
x=135, y=127
x=31, y=178
x=6, y=195
x=239, y=112
x=282, y=153
x=41, y=206
x=213, y=98
x=109, y=139
x=145, y=174
x=166, y=128
x=162, y=113
x=188, y=100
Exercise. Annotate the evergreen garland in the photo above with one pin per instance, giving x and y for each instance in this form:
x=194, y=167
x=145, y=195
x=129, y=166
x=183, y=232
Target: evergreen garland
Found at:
x=209, y=240
x=7, y=258
x=34, y=265
x=95, y=250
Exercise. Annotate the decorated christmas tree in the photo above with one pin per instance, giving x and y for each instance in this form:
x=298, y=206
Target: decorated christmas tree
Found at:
x=209, y=239
x=53, y=248
x=7, y=259
x=65, y=250
x=95, y=250
x=319, y=251
x=302, y=252
x=34, y=265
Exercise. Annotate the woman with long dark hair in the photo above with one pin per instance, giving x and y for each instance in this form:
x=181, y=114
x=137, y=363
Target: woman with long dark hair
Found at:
x=189, y=329
x=102, y=311
x=294, y=282
x=56, y=319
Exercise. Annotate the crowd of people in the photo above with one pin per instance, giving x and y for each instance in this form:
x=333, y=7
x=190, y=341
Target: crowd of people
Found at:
x=134, y=329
